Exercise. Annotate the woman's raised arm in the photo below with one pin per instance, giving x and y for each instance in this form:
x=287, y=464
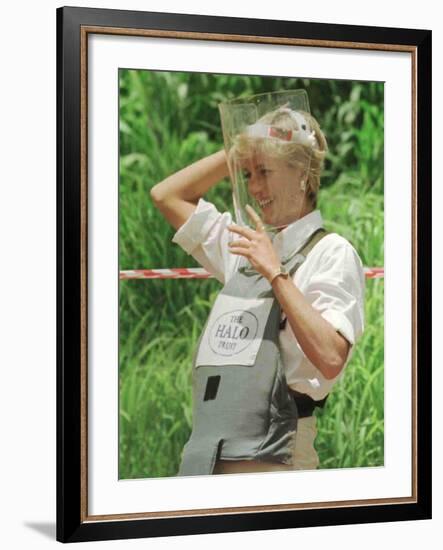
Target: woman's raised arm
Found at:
x=177, y=196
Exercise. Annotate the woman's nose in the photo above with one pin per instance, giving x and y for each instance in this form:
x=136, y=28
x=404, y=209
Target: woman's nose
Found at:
x=254, y=183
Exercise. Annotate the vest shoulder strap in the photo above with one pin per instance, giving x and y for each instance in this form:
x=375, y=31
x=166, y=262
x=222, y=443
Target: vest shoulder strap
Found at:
x=301, y=255
x=313, y=240
x=307, y=247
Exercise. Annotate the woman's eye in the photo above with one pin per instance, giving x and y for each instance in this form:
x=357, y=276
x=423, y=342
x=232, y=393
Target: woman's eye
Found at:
x=265, y=171
x=246, y=174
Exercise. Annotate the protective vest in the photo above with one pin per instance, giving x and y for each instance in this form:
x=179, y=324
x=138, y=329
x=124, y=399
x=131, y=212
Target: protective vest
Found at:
x=242, y=407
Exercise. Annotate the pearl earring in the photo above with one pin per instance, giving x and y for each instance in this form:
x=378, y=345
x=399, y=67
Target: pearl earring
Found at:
x=303, y=185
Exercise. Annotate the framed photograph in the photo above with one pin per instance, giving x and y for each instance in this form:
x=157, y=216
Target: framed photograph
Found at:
x=179, y=409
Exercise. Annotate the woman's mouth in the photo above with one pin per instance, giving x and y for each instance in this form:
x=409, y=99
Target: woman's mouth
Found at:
x=264, y=202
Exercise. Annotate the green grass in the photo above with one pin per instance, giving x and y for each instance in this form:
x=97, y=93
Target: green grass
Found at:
x=168, y=120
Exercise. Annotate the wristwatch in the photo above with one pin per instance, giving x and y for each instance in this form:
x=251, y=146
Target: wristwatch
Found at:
x=281, y=272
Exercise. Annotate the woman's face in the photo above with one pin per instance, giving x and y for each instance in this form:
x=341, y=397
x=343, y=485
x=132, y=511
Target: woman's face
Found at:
x=275, y=187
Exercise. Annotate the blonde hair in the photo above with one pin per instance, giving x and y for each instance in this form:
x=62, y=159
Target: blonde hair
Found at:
x=294, y=154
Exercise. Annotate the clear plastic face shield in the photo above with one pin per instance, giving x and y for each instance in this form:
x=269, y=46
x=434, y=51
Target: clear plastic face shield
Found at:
x=269, y=143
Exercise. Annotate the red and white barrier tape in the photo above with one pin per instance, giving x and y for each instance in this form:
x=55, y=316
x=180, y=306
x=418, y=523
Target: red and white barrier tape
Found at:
x=200, y=273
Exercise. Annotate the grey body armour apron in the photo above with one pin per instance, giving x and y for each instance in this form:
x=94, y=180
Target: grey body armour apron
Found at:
x=243, y=409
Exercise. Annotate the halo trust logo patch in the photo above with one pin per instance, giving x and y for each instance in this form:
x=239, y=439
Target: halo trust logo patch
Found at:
x=233, y=332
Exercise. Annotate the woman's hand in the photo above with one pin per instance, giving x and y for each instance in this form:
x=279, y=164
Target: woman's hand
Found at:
x=177, y=196
x=321, y=343
x=256, y=246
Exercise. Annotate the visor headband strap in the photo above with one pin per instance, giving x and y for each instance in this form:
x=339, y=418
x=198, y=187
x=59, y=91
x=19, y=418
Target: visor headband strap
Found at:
x=259, y=130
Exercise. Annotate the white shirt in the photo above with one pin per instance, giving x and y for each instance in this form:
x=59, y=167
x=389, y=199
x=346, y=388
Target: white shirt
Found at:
x=331, y=279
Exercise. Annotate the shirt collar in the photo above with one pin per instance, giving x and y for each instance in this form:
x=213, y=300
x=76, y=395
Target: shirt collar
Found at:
x=294, y=236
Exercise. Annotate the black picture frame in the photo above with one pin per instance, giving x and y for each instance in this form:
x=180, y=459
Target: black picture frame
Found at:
x=73, y=26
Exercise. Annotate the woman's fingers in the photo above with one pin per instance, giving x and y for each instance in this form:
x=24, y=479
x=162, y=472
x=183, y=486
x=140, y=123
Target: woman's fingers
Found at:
x=240, y=251
x=247, y=231
x=244, y=243
x=243, y=231
x=240, y=247
x=259, y=226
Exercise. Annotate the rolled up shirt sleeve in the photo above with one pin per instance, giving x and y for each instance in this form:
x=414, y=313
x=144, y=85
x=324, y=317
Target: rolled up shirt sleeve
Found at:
x=337, y=289
x=205, y=236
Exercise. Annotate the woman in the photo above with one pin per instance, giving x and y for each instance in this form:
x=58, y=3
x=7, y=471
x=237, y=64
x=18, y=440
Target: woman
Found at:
x=284, y=325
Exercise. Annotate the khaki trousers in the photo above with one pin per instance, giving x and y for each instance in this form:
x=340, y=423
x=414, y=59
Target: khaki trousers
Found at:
x=304, y=456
